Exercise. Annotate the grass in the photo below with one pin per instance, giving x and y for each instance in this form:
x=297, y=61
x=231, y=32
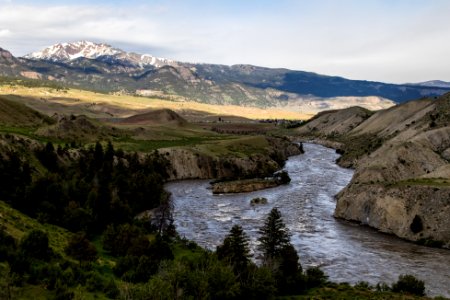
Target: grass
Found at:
x=346, y=291
x=356, y=147
x=436, y=182
x=89, y=103
x=242, y=146
x=18, y=224
x=24, y=131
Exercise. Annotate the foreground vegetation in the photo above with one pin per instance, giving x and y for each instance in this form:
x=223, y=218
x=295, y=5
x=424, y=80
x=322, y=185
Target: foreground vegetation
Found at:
x=133, y=262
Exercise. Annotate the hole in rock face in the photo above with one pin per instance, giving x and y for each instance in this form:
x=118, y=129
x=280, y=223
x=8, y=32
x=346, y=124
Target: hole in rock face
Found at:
x=416, y=225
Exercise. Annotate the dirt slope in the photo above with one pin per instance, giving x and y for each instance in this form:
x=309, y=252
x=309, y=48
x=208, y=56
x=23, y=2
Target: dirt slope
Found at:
x=336, y=122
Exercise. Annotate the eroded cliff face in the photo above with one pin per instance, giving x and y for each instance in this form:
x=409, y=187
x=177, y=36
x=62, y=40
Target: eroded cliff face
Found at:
x=403, y=187
x=414, y=212
x=401, y=158
x=188, y=163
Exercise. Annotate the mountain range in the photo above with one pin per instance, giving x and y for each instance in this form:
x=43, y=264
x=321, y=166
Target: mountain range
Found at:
x=101, y=67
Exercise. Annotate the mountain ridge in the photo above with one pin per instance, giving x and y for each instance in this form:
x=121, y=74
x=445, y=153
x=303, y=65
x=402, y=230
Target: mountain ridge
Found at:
x=65, y=52
x=433, y=83
x=101, y=67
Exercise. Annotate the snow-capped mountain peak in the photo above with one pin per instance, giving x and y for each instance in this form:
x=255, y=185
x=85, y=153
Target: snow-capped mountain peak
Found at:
x=71, y=51
x=65, y=52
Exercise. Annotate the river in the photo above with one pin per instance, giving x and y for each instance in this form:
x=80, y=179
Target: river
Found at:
x=346, y=252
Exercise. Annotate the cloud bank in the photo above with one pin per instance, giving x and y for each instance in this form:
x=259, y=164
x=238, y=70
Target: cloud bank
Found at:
x=391, y=41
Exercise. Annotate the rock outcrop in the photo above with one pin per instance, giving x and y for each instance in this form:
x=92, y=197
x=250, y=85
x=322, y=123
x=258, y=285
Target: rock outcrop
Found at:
x=243, y=186
x=401, y=183
x=398, y=209
x=188, y=163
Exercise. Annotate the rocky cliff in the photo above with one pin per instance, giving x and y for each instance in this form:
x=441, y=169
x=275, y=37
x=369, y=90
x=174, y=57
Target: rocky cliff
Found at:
x=401, y=157
x=189, y=163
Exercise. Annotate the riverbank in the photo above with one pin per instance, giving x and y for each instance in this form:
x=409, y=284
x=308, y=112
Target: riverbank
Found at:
x=346, y=251
x=401, y=158
x=242, y=157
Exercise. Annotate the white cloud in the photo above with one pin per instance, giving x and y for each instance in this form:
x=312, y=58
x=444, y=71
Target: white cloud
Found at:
x=4, y=32
x=368, y=42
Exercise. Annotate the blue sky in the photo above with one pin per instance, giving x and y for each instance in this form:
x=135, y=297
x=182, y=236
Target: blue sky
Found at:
x=392, y=41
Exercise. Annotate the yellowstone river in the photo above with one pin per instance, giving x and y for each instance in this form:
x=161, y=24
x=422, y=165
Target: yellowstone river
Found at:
x=346, y=252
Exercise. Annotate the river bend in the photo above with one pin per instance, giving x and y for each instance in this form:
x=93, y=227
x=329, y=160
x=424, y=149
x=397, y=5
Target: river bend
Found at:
x=346, y=252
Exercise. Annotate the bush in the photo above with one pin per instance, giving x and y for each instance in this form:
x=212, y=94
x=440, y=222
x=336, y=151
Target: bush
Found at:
x=409, y=284
x=35, y=245
x=80, y=248
x=416, y=225
x=260, y=284
x=315, y=277
x=382, y=287
x=363, y=285
x=7, y=245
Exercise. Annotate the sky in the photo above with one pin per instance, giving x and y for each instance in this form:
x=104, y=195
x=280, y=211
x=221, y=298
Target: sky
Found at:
x=395, y=41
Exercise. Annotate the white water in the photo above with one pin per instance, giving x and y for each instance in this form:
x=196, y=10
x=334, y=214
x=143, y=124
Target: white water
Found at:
x=346, y=252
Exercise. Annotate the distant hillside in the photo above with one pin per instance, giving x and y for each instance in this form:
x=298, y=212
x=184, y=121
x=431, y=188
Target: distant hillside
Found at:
x=101, y=67
x=336, y=122
x=159, y=116
x=434, y=83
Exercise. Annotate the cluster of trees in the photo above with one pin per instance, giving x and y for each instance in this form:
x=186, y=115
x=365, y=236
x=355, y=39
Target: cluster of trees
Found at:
x=227, y=273
x=281, y=272
x=96, y=193
x=100, y=187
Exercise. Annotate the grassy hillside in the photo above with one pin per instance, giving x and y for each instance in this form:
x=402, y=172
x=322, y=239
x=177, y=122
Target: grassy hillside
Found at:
x=72, y=101
x=16, y=114
x=18, y=224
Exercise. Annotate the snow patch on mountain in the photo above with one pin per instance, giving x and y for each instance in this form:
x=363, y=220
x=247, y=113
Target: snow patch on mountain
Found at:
x=65, y=52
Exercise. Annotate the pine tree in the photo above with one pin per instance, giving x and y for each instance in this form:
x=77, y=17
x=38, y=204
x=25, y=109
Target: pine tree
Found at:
x=235, y=249
x=274, y=236
x=98, y=155
x=279, y=255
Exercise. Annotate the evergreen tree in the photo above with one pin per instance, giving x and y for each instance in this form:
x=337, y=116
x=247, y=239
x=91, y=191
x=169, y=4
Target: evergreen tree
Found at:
x=109, y=152
x=279, y=255
x=48, y=157
x=235, y=250
x=98, y=155
x=274, y=236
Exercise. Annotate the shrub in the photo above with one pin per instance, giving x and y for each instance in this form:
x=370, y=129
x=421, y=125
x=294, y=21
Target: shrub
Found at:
x=80, y=248
x=416, y=225
x=315, y=277
x=409, y=284
x=35, y=245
